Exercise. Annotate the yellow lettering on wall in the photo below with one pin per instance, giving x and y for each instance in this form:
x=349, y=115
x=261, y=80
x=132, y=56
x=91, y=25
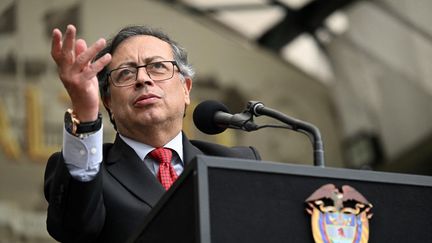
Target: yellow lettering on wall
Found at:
x=37, y=149
x=8, y=142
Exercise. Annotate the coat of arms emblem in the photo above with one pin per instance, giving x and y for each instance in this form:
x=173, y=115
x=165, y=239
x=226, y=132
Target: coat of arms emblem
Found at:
x=339, y=216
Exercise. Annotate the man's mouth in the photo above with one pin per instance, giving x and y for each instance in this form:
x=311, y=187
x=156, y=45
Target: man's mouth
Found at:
x=146, y=99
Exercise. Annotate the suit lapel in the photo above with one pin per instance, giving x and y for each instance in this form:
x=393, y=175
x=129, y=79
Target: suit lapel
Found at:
x=125, y=165
x=189, y=151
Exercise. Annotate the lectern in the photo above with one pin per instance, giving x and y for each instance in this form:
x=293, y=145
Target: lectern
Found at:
x=224, y=200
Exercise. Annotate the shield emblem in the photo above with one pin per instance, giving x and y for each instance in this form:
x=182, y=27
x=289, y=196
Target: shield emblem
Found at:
x=339, y=216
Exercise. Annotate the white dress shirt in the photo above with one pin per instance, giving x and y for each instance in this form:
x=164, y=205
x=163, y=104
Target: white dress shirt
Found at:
x=84, y=155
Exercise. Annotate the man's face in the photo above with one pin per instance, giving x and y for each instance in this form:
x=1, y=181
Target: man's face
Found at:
x=147, y=103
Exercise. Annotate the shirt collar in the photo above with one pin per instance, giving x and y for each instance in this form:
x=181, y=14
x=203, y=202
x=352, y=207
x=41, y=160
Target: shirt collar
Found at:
x=142, y=149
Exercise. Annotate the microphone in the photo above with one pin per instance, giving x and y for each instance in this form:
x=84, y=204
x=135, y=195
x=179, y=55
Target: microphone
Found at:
x=213, y=117
x=257, y=109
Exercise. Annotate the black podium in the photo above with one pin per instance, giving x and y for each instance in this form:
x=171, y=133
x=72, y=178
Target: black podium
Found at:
x=220, y=200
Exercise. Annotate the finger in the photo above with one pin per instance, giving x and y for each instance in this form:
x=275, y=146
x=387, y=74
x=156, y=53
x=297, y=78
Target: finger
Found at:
x=89, y=54
x=80, y=46
x=56, y=44
x=69, y=41
x=100, y=63
x=97, y=66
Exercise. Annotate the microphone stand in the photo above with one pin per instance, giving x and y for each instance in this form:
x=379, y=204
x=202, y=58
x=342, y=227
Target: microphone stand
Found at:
x=257, y=109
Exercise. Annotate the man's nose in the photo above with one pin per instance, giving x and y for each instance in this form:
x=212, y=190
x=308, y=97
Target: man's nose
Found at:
x=143, y=78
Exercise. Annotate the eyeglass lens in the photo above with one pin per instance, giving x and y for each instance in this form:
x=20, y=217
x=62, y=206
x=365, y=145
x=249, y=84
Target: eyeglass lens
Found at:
x=157, y=71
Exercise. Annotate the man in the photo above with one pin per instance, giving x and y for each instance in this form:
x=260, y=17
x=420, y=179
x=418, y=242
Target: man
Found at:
x=102, y=193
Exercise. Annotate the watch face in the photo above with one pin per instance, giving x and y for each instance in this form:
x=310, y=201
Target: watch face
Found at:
x=69, y=125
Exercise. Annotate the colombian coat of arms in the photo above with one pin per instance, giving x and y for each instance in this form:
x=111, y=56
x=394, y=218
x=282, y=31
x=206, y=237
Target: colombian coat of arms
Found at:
x=339, y=216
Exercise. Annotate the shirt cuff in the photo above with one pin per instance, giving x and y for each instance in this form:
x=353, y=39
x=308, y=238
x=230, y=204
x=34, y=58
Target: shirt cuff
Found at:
x=83, y=155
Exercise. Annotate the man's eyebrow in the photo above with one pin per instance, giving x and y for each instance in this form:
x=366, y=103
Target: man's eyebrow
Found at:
x=146, y=61
x=127, y=64
x=150, y=59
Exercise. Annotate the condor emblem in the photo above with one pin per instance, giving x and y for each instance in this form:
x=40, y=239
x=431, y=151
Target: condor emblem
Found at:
x=339, y=216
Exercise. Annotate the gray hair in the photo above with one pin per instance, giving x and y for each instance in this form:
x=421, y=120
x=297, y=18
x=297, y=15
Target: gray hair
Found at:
x=179, y=53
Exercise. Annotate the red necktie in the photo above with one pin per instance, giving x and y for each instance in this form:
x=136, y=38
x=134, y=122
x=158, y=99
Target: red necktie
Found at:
x=166, y=173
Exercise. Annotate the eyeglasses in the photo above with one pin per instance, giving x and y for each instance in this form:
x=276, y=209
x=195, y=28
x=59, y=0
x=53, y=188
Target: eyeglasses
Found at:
x=157, y=71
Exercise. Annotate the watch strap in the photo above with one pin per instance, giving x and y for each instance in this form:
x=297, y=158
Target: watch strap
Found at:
x=76, y=128
x=88, y=127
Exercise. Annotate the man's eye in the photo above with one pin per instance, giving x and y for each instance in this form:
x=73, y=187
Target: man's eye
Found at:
x=125, y=73
x=157, y=66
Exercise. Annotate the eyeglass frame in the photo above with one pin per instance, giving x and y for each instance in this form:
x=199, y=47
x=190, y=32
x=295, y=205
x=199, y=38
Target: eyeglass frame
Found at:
x=174, y=63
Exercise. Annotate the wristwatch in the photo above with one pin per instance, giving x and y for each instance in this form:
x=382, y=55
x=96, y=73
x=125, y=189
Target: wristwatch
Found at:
x=76, y=128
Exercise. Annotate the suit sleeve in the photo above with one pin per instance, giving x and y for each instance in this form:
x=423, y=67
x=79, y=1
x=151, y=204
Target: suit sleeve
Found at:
x=75, y=209
x=247, y=153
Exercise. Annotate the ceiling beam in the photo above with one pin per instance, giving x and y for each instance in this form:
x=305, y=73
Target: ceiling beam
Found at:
x=306, y=19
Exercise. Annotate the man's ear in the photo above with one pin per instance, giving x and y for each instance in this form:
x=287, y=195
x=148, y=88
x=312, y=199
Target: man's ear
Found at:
x=106, y=102
x=187, y=86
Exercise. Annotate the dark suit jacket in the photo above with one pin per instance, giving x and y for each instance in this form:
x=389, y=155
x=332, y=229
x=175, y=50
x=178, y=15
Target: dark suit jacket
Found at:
x=113, y=205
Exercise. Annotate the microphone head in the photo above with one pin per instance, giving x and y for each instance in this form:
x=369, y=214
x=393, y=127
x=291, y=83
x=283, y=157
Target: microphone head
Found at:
x=203, y=116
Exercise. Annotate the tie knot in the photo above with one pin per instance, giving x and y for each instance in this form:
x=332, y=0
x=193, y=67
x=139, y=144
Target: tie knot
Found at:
x=163, y=155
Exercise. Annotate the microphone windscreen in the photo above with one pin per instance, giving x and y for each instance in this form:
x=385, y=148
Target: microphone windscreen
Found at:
x=203, y=116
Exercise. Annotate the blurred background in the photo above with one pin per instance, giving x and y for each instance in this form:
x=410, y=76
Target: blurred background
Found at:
x=361, y=71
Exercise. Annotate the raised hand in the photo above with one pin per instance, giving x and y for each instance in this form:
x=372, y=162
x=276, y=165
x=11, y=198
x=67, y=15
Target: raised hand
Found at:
x=77, y=71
